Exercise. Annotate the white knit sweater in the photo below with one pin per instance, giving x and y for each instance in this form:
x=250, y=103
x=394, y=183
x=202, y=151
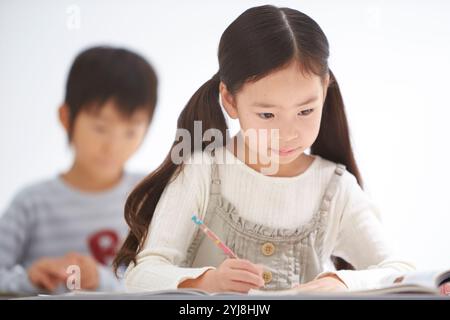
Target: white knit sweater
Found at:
x=354, y=232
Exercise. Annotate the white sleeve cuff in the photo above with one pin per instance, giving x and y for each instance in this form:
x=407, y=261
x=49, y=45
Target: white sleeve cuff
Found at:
x=161, y=277
x=364, y=279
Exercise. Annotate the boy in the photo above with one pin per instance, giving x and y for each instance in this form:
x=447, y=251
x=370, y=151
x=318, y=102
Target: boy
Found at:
x=62, y=233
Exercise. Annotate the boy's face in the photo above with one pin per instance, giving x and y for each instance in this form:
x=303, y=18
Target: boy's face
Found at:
x=104, y=140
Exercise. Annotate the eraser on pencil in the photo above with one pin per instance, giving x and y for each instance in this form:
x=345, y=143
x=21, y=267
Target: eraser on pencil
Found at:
x=196, y=220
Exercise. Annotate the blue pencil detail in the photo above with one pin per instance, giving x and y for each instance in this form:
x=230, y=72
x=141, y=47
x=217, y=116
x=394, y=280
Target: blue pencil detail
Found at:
x=196, y=220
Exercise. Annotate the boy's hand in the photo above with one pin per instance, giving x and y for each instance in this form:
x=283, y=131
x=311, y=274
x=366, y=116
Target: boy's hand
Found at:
x=90, y=279
x=49, y=273
x=236, y=275
x=328, y=283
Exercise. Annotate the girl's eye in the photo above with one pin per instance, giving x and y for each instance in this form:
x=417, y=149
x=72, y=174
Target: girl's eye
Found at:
x=306, y=112
x=265, y=115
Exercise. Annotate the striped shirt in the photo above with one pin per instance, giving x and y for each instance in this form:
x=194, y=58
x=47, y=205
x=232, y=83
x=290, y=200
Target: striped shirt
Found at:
x=50, y=219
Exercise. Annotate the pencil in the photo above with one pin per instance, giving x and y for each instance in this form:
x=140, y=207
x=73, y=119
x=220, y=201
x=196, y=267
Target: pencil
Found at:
x=210, y=234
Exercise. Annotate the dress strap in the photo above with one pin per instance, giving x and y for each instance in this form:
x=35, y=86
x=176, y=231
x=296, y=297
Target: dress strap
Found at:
x=332, y=187
x=215, y=178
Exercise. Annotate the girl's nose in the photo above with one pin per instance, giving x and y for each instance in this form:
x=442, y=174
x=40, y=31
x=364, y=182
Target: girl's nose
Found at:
x=288, y=133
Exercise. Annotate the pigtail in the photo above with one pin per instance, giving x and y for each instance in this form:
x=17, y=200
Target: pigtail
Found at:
x=140, y=206
x=333, y=142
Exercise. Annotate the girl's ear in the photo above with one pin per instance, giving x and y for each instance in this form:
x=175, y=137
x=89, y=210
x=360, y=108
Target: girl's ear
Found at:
x=228, y=101
x=63, y=113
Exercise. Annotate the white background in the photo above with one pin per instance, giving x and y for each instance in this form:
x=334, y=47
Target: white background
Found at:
x=391, y=59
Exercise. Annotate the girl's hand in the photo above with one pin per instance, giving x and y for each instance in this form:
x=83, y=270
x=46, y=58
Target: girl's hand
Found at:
x=328, y=283
x=235, y=275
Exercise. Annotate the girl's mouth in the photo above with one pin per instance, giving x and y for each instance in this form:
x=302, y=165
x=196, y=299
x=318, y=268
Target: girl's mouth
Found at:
x=285, y=151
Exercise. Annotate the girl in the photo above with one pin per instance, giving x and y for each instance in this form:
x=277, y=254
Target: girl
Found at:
x=284, y=226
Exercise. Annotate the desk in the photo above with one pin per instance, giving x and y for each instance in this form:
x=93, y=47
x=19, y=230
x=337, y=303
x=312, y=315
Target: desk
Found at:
x=181, y=296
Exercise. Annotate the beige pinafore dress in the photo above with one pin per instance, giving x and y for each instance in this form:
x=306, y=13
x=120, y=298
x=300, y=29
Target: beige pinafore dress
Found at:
x=289, y=256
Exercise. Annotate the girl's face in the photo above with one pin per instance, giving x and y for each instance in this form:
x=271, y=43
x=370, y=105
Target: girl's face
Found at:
x=285, y=100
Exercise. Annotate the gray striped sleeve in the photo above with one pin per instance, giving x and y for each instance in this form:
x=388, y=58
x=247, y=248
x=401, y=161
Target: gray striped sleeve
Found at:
x=15, y=227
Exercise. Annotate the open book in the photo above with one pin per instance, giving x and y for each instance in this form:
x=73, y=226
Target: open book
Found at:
x=422, y=282
x=434, y=283
x=96, y=295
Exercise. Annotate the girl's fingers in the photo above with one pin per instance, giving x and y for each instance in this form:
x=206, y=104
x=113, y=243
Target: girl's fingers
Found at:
x=240, y=264
x=247, y=277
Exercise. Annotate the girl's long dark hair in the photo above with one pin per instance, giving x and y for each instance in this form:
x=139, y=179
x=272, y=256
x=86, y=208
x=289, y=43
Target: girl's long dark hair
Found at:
x=259, y=41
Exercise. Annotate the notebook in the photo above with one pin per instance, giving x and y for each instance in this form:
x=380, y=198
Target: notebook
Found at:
x=168, y=293
x=422, y=282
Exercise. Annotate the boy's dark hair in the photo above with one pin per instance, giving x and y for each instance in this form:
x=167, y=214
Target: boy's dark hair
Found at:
x=99, y=74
